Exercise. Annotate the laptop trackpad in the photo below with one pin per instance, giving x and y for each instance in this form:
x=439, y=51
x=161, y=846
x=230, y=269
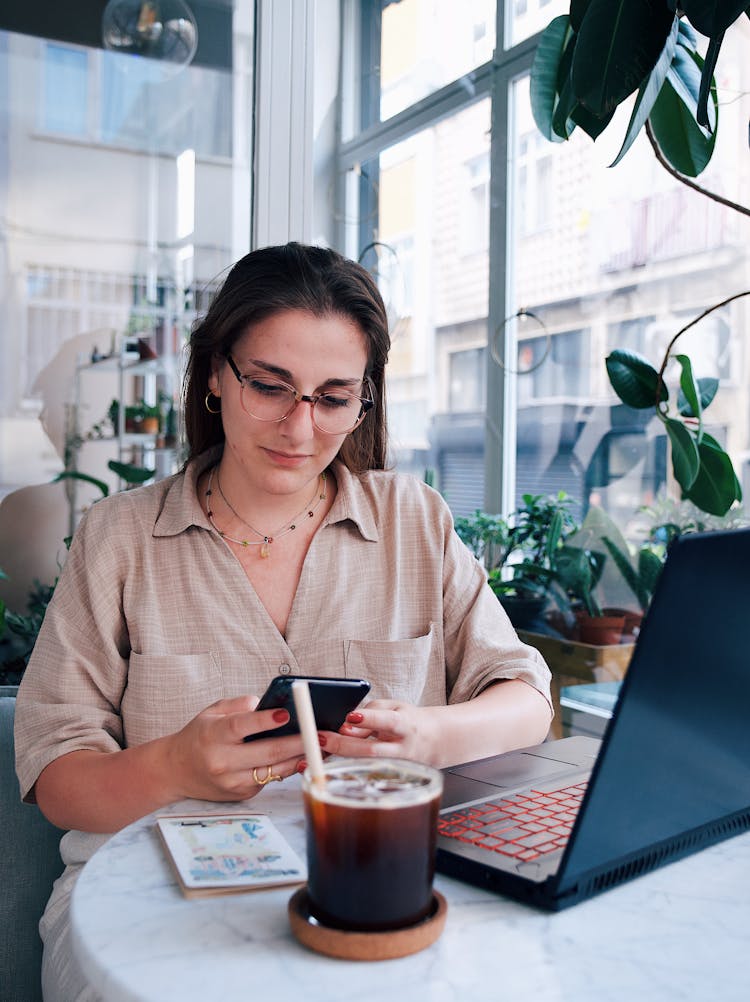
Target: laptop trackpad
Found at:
x=487, y=777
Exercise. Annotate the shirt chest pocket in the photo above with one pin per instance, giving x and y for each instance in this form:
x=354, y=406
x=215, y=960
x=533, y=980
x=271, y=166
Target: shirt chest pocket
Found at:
x=411, y=670
x=165, y=691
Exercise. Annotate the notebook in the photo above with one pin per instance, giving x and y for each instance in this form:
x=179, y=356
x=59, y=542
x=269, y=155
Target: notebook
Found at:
x=670, y=776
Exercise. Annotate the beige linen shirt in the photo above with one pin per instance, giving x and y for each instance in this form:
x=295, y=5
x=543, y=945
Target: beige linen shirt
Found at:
x=153, y=617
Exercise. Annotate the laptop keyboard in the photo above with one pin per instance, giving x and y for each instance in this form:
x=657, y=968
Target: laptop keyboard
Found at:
x=523, y=826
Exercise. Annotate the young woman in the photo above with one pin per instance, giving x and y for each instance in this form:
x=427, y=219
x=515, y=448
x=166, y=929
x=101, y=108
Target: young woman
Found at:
x=283, y=547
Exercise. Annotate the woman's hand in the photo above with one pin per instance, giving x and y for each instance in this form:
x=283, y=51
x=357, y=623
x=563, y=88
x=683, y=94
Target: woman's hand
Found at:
x=386, y=728
x=211, y=761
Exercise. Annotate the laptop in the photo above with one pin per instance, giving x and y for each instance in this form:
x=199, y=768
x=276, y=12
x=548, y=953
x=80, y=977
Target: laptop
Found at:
x=670, y=776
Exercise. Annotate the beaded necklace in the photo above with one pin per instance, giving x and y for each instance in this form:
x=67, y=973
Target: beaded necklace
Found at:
x=265, y=541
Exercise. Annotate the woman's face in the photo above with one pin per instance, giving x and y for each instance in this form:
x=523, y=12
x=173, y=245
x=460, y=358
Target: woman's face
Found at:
x=309, y=353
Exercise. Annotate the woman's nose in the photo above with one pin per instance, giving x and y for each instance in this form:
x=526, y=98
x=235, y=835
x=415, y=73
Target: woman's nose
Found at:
x=299, y=422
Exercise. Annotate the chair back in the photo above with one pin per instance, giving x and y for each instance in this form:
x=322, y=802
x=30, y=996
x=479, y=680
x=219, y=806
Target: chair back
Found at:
x=29, y=864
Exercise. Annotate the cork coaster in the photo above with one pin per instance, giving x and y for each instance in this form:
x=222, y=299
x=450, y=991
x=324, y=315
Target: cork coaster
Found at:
x=365, y=945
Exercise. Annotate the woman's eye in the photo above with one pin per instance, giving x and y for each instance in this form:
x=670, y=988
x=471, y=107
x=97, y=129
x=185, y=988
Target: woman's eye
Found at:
x=334, y=400
x=267, y=389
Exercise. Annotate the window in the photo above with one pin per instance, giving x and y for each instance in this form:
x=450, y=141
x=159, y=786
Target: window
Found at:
x=501, y=220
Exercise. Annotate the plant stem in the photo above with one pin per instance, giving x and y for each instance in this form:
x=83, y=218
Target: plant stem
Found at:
x=686, y=180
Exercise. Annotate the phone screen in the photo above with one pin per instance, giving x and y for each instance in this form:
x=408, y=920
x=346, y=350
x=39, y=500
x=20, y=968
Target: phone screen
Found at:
x=332, y=699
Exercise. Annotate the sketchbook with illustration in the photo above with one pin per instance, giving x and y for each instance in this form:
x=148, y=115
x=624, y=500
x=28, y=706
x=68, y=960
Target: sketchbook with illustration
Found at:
x=227, y=853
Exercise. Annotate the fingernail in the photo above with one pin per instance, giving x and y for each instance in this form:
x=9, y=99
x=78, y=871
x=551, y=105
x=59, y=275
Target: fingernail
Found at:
x=301, y=766
x=281, y=716
x=355, y=717
x=321, y=740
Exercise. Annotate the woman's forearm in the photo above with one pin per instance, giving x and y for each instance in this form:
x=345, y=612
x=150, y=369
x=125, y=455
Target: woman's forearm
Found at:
x=104, y=791
x=509, y=714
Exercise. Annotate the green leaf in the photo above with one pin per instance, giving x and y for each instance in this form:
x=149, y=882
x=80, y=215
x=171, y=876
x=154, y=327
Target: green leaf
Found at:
x=74, y=475
x=130, y=474
x=689, y=389
x=712, y=56
x=634, y=379
x=716, y=487
x=578, y=10
x=685, y=75
x=650, y=566
x=681, y=139
x=592, y=125
x=649, y=92
x=711, y=17
x=707, y=389
x=685, y=456
x=544, y=74
x=619, y=43
x=562, y=124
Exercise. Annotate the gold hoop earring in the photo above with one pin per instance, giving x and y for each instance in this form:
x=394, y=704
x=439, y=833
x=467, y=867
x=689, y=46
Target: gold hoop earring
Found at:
x=205, y=402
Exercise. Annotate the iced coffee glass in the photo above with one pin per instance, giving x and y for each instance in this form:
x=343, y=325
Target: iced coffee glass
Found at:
x=371, y=834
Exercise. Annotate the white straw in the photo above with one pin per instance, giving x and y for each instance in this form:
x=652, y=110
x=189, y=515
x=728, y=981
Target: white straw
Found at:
x=308, y=729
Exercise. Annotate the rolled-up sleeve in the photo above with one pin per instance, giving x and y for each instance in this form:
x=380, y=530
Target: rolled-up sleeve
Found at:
x=70, y=694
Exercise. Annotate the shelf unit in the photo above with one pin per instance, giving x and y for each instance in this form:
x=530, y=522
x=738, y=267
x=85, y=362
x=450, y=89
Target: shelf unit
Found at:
x=154, y=381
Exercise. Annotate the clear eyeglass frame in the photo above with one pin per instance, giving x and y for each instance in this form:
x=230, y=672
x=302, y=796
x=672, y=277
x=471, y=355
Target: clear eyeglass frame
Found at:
x=295, y=398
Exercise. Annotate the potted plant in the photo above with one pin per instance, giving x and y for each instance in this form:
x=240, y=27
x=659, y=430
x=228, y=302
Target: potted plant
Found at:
x=520, y=552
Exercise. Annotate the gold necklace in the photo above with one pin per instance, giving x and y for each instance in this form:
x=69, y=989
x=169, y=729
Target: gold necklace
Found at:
x=266, y=539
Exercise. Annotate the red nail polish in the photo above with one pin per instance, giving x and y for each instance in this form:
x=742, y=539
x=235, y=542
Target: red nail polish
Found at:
x=355, y=717
x=301, y=766
x=281, y=716
x=321, y=740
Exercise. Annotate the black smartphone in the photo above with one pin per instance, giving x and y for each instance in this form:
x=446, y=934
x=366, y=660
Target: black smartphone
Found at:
x=332, y=699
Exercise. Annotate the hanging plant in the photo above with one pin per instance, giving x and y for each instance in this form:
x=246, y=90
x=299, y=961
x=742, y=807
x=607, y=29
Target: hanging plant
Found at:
x=700, y=465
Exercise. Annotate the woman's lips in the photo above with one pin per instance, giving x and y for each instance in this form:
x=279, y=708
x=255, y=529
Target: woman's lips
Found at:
x=285, y=458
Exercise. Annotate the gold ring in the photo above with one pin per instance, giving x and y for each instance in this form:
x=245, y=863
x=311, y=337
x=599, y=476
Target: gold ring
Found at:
x=270, y=777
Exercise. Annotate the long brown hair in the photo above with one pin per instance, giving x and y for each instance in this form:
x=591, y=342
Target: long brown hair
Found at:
x=290, y=277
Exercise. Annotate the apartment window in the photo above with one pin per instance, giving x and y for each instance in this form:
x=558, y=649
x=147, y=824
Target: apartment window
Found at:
x=503, y=224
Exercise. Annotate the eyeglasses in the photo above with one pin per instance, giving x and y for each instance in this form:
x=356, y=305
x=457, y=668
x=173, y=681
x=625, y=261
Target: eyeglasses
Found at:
x=335, y=412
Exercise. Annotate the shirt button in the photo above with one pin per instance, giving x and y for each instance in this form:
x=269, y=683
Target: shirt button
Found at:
x=284, y=670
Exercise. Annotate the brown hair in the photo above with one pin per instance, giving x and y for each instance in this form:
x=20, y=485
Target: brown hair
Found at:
x=290, y=277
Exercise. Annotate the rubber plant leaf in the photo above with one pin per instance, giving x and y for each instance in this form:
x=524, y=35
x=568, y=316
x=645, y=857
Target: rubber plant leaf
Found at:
x=619, y=43
x=716, y=487
x=562, y=124
x=130, y=474
x=679, y=136
x=648, y=92
x=634, y=379
x=578, y=10
x=592, y=125
x=707, y=389
x=544, y=74
x=685, y=456
x=75, y=475
x=712, y=56
x=689, y=389
x=685, y=75
x=712, y=17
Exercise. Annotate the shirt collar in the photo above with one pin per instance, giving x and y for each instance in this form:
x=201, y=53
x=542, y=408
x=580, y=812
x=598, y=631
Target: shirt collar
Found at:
x=182, y=509
x=353, y=502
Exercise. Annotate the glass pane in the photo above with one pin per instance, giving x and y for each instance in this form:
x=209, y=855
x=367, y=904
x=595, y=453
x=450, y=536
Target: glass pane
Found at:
x=524, y=18
x=125, y=193
x=619, y=258
x=421, y=45
x=431, y=263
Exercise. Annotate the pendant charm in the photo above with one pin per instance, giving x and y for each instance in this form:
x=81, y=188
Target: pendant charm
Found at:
x=265, y=550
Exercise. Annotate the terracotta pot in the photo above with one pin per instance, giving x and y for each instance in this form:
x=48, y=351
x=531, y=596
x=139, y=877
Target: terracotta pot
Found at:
x=633, y=620
x=600, y=630
x=150, y=425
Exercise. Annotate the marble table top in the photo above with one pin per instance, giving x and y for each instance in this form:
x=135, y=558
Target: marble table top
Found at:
x=679, y=933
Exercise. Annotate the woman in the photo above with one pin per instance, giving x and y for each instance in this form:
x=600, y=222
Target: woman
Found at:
x=283, y=547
